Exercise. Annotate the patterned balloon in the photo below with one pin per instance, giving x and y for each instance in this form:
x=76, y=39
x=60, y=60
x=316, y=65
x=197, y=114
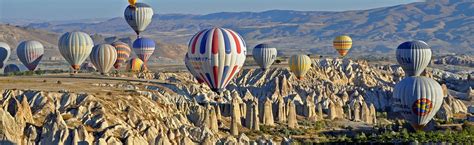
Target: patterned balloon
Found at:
x=299, y=65
x=30, y=53
x=103, y=56
x=189, y=65
x=264, y=55
x=144, y=48
x=123, y=53
x=75, y=47
x=413, y=57
x=342, y=44
x=138, y=16
x=419, y=99
x=4, y=53
x=217, y=54
x=135, y=65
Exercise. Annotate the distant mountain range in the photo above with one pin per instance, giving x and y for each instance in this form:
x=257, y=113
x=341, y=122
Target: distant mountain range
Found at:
x=447, y=25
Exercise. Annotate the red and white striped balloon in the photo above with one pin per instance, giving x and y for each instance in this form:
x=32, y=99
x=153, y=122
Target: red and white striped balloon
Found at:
x=218, y=55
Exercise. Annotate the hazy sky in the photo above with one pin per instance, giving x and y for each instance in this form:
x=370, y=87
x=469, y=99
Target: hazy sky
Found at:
x=85, y=9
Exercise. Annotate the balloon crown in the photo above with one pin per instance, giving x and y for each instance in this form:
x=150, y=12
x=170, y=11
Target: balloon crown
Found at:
x=132, y=2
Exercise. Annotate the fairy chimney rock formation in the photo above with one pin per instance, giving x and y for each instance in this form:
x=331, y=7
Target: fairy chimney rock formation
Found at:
x=252, y=119
x=213, y=124
x=235, y=116
x=280, y=110
x=292, y=122
x=267, y=113
x=310, y=109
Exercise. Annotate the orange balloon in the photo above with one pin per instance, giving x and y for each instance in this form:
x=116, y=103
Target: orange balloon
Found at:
x=132, y=2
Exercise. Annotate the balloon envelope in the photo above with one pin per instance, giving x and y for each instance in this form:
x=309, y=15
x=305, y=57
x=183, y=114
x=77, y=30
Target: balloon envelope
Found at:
x=132, y=2
x=264, y=55
x=299, y=65
x=189, y=65
x=88, y=67
x=123, y=53
x=144, y=48
x=138, y=16
x=420, y=98
x=413, y=57
x=30, y=53
x=218, y=55
x=342, y=44
x=135, y=65
x=75, y=47
x=103, y=56
x=11, y=68
x=4, y=53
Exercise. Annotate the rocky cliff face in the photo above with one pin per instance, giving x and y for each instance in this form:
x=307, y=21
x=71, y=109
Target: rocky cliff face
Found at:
x=179, y=111
x=456, y=60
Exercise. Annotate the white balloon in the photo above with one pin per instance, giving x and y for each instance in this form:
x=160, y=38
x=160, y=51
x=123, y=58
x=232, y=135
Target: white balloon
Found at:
x=420, y=98
x=413, y=57
x=75, y=47
x=103, y=56
x=264, y=55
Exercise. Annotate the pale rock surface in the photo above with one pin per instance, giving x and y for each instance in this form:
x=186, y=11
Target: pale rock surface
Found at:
x=235, y=117
x=252, y=119
x=267, y=113
x=280, y=110
x=292, y=121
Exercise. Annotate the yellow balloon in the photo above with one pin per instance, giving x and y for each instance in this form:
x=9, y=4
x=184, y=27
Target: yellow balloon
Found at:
x=135, y=65
x=299, y=65
x=342, y=44
x=132, y=2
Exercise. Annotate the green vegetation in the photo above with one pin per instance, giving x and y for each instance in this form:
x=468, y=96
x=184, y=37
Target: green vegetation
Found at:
x=464, y=136
x=280, y=130
x=312, y=132
x=25, y=73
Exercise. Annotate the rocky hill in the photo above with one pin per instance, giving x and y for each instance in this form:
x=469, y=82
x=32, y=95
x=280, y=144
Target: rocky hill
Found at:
x=462, y=60
x=171, y=108
x=447, y=25
x=13, y=35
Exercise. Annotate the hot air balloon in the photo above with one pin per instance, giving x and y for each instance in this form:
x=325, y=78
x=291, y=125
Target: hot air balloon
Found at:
x=299, y=65
x=4, y=53
x=103, y=56
x=413, y=57
x=420, y=98
x=138, y=16
x=11, y=68
x=189, y=65
x=132, y=2
x=123, y=53
x=264, y=55
x=144, y=48
x=88, y=67
x=218, y=54
x=30, y=53
x=342, y=44
x=135, y=65
x=75, y=47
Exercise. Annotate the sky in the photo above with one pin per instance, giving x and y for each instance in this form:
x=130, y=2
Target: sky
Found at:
x=88, y=9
